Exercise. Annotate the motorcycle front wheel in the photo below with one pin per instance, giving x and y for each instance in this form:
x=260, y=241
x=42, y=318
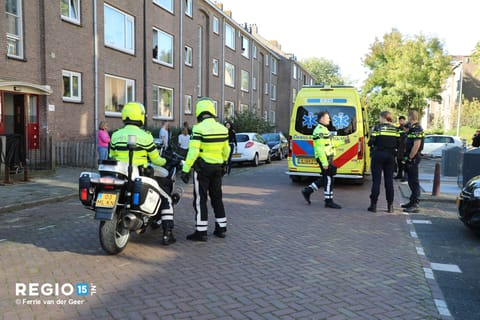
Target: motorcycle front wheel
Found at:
x=113, y=236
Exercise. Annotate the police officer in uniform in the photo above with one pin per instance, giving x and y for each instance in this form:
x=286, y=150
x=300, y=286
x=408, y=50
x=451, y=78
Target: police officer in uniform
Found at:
x=324, y=146
x=413, y=147
x=208, y=153
x=133, y=115
x=384, y=142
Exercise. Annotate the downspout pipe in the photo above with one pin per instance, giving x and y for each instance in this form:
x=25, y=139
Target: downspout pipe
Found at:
x=95, y=69
x=145, y=76
x=181, y=64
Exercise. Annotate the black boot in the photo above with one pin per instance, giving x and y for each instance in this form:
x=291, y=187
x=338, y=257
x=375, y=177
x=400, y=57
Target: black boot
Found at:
x=330, y=204
x=168, y=237
x=407, y=205
x=198, y=236
x=220, y=232
x=373, y=207
x=390, y=208
x=414, y=208
x=306, y=194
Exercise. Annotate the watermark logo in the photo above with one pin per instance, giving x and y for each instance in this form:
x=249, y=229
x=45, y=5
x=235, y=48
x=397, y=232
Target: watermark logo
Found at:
x=62, y=293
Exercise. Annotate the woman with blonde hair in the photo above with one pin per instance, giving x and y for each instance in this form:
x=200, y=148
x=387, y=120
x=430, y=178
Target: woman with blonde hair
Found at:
x=103, y=139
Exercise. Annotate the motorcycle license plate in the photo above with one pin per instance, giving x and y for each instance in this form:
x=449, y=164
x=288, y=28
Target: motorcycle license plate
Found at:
x=106, y=200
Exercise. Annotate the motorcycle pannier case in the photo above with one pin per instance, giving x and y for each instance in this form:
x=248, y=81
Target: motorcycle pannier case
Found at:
x=146, y=196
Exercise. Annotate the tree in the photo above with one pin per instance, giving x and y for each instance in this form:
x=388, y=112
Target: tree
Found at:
x=323, y=71
x=405, y=72
x=248, y=121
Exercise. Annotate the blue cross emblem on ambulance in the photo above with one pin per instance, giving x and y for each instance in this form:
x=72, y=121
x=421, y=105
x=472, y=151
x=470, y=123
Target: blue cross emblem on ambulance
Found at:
x=310, y=120
x=341, y=120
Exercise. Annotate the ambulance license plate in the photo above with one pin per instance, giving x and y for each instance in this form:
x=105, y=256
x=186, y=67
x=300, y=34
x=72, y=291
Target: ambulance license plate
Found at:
x=310, y=161
x=106, y=200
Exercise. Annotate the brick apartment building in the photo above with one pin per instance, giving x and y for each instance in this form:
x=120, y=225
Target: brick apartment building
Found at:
x=67, y=65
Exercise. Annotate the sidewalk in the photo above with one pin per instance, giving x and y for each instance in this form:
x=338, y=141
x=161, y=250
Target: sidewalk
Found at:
x=40, y=189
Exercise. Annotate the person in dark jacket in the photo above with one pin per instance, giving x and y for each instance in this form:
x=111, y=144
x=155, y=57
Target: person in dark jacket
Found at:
x=384, y=143
x=403, y=129
x=476, y=139
x=232, y=141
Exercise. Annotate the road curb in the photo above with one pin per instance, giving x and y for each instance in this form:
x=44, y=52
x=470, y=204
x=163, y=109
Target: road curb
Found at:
x=405, y=192
x=31, y=204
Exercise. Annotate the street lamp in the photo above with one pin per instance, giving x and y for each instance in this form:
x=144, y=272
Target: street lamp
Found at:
x=460, y=64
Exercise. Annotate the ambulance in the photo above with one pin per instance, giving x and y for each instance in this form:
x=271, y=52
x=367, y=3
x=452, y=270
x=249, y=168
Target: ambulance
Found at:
x=349, y=119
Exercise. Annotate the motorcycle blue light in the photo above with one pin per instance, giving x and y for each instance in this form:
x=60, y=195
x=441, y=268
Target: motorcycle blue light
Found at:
x=136, y=199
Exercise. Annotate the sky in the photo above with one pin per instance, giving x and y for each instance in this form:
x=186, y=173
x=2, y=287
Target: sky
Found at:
x=343, y=30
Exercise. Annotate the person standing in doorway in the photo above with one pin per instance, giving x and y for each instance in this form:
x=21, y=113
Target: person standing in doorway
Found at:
x=103, y=140
x=384, y=142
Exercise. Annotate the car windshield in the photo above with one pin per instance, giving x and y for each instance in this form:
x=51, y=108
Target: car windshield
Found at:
x=242, y=137
x=438, y=139
x=343, y=118
x=271, y=137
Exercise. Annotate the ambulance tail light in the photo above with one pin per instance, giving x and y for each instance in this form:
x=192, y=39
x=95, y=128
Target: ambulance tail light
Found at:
x=290, y=150
x=249, y=144
x=360, y=149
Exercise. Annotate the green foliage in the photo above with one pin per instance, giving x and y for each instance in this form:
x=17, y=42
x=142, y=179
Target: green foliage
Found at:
x=476, y=57
x=466, y=133
x=405, y=72
x=469, y=114
x=248, y=121
x=323, y=71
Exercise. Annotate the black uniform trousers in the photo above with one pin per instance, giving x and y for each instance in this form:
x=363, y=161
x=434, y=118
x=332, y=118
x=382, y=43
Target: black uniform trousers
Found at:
x=207, y=179
x=411, y=168
x=382, y=161
x=327, y=180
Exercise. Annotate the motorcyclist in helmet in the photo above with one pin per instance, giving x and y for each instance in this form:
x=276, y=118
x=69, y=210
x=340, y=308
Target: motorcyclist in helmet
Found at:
x=133, y=116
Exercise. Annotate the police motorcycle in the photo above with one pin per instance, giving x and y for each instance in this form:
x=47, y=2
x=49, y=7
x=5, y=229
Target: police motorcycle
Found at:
x=125, y=198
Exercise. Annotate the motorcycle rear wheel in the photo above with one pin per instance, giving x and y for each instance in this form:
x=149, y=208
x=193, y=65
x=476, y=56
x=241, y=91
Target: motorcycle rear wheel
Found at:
x=113, y=236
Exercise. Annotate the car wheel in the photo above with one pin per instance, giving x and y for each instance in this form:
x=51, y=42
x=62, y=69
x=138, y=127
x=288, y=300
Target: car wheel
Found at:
x=280, y=155
x=269, y=158
x=255, y=161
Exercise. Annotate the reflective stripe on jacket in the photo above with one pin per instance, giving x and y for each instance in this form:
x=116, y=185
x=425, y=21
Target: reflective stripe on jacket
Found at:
x=209, y=142
x=323, y=144
x=144, y=149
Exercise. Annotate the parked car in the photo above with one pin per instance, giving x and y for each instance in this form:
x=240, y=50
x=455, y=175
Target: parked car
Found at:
x=434, y=144
x=278, y=144
x=468, y=203
x=251, y=148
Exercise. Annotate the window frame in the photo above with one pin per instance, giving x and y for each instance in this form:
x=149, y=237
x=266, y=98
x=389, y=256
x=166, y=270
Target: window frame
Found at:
x=16, y=37
x=244, y=75
x=69, y=18
x=232, y=113
x=254, y=83
x=273, y=92
x=274, y=66
x=189, y=8
x=127, y=82
x=188, y=101
x=127, y=18
x=232, y=35
x=216, y=25
x=157, y=116
x=172, y=10
x=245, y=49
x=215, y=67
x=244, y=107
x=232, y=85
x=157, y=60
x=71, y=75
x=188, y=52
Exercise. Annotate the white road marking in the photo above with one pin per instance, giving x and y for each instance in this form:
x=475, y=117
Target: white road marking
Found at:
x=428, y=273
x=445, y=267
x=405, y=213
x=47, y=227
x=421, y=221
x=409, y=221
x=413, y=234
x=442, y=308
x=420, y=251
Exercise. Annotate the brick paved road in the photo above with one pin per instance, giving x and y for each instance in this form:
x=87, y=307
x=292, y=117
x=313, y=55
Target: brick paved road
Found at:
x=281, y=259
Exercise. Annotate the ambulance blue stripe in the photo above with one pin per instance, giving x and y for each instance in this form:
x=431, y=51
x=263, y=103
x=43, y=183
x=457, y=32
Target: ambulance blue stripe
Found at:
x=305, y=146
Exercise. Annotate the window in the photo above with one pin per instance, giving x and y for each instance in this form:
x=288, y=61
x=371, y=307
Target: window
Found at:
x=216, y=25
x=274, y=65
x=243, y=107
x=245, y=81
x=229, y=74
x=162, y=47
x=13, y=9
x=272, y=117
x=254, y=83
x=215, y=104
x=119, y=30
x=254, y=51
x=266, y=87
x=215, y=67
x=229, y=110
x=162, y=103
x=294, y=94
x=295, y=71
x=70, y=10
x=118, y=91
x=267, y=60
x=273, y=94
x=188, y=56
x=245, y=47
x=344, y=118
x=72, y=86
x=188, y=104
x=229, y=36
x=165, y=4
x=188, y=8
